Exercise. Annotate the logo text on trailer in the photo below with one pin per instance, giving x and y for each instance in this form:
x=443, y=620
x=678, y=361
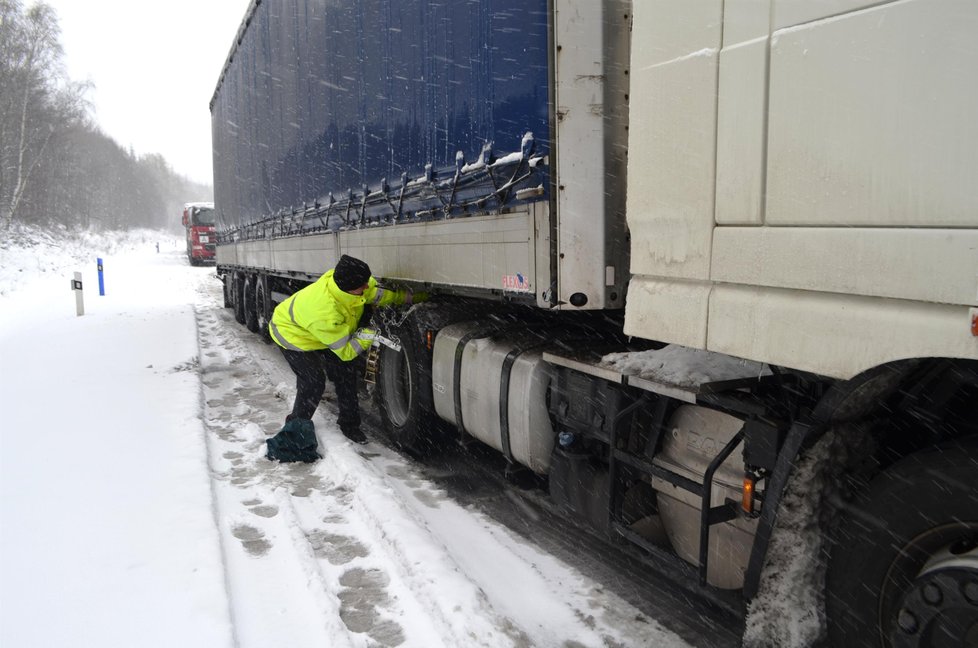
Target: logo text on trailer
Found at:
x=516, y=282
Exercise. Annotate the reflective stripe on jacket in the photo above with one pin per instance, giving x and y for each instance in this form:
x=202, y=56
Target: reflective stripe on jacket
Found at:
x=321, y=316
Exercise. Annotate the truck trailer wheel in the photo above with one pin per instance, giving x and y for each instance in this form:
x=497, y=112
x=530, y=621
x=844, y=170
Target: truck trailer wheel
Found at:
x=227, y=284
x=404, y=391
x=904, y=567
x=263, y=307
x=238, y=286
x=250, y=303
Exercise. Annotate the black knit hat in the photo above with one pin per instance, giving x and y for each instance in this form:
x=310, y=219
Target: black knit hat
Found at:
x=350, y=273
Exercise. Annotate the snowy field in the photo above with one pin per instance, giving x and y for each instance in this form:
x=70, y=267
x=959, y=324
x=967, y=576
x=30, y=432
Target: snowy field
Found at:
x=137, y=507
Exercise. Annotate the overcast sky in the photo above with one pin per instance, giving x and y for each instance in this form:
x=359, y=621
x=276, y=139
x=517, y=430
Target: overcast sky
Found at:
x=154, y=66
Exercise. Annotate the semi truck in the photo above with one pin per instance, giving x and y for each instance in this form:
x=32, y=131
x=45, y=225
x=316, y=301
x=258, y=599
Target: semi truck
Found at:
x=708, y=269
x=198, y=224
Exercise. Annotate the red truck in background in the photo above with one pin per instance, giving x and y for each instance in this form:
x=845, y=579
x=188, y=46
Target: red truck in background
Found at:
x=198, y=220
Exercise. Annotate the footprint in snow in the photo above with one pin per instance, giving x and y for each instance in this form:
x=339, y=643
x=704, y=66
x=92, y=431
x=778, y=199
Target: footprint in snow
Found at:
x=264, y=510
x=252, y=539
x=431, y=499
x=303, y=480
x=364, y=591
x=342, y=495
x=337, y=549
x=243, y=475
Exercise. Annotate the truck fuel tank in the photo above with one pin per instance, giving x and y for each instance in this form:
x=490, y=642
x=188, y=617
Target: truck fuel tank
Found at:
x=694, y=437
x=493, y=385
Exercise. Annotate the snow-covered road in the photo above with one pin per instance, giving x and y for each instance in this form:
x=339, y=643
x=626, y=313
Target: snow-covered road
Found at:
x=137, y=507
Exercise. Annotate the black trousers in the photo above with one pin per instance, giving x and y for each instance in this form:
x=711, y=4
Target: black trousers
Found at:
x=312, y=368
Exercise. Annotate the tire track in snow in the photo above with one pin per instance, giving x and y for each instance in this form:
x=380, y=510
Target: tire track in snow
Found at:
x=263, y=564
x=332, y=549
x=286, y=514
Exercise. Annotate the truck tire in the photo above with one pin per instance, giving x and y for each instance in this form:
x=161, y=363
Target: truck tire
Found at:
x=404, y=391
x=228, y=289
x=882, y=564
x=250, y=305
x=238, y=281
x=263, y=307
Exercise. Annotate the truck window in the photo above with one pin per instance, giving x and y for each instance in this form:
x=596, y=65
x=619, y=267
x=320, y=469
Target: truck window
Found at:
x=203, y=216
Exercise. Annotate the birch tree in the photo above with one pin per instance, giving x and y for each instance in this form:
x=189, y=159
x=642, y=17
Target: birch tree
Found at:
x=56, y=166
x=36, y=100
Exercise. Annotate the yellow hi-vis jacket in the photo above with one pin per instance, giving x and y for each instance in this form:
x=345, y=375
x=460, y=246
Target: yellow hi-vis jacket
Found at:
x=321, y=316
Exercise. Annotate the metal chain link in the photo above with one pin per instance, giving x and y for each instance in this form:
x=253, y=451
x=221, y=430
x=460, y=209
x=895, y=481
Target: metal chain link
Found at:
x=391, y=319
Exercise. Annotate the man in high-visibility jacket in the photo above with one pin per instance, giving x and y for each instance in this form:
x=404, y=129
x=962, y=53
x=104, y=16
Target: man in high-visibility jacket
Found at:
x=318, y=329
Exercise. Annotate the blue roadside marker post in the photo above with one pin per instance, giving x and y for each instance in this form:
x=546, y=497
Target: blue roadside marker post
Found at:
x=101, y=281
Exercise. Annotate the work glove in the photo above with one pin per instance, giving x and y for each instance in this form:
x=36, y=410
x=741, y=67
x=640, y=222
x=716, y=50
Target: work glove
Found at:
x=417, y=297
x=364, y=333
x=365, y=336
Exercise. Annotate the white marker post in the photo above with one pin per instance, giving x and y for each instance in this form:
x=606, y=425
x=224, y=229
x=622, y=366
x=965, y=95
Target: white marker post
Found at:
x=76, y=285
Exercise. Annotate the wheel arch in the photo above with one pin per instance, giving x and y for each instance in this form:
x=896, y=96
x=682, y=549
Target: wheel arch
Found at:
x=941, y=392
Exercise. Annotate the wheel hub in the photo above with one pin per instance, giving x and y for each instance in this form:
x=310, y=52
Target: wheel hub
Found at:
x=940, y=609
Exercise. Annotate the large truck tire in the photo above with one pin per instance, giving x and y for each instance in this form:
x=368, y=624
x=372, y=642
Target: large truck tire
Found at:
x=238, y=281
x=404, y=392
x=249, y=302
x=904, y=567
x=227, y=283
x=263, y=306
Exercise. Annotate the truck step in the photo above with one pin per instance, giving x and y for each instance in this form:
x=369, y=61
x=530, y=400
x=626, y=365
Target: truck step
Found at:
x=674, y=371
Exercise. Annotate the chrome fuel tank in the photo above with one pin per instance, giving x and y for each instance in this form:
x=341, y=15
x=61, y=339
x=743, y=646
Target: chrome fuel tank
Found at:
x=494, y=387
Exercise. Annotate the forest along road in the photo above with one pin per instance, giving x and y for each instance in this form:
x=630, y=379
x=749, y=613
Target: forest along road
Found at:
x=369, y=548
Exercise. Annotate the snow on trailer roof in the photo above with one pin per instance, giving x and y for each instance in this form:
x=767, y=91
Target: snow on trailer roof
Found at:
x=203, y=205
x=676, y=371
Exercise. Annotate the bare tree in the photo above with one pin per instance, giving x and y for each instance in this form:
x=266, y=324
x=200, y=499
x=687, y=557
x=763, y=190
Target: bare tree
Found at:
x=37, y=100
x=56, y=166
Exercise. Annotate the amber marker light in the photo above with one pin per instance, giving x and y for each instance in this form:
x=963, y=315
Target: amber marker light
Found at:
x=747, y=502
x=974, y=322
x=430, y=339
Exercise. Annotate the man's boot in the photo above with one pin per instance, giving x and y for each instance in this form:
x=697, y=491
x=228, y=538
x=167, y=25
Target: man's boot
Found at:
x=355, y=434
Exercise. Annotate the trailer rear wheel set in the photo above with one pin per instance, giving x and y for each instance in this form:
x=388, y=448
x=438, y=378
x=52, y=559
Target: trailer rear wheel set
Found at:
x=250, y=302
x=237, y=280
x=248, y=295
x=263, y=304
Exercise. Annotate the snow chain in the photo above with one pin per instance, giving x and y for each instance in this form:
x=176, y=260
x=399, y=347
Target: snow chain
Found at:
x=389, y=321
x=370, y=374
